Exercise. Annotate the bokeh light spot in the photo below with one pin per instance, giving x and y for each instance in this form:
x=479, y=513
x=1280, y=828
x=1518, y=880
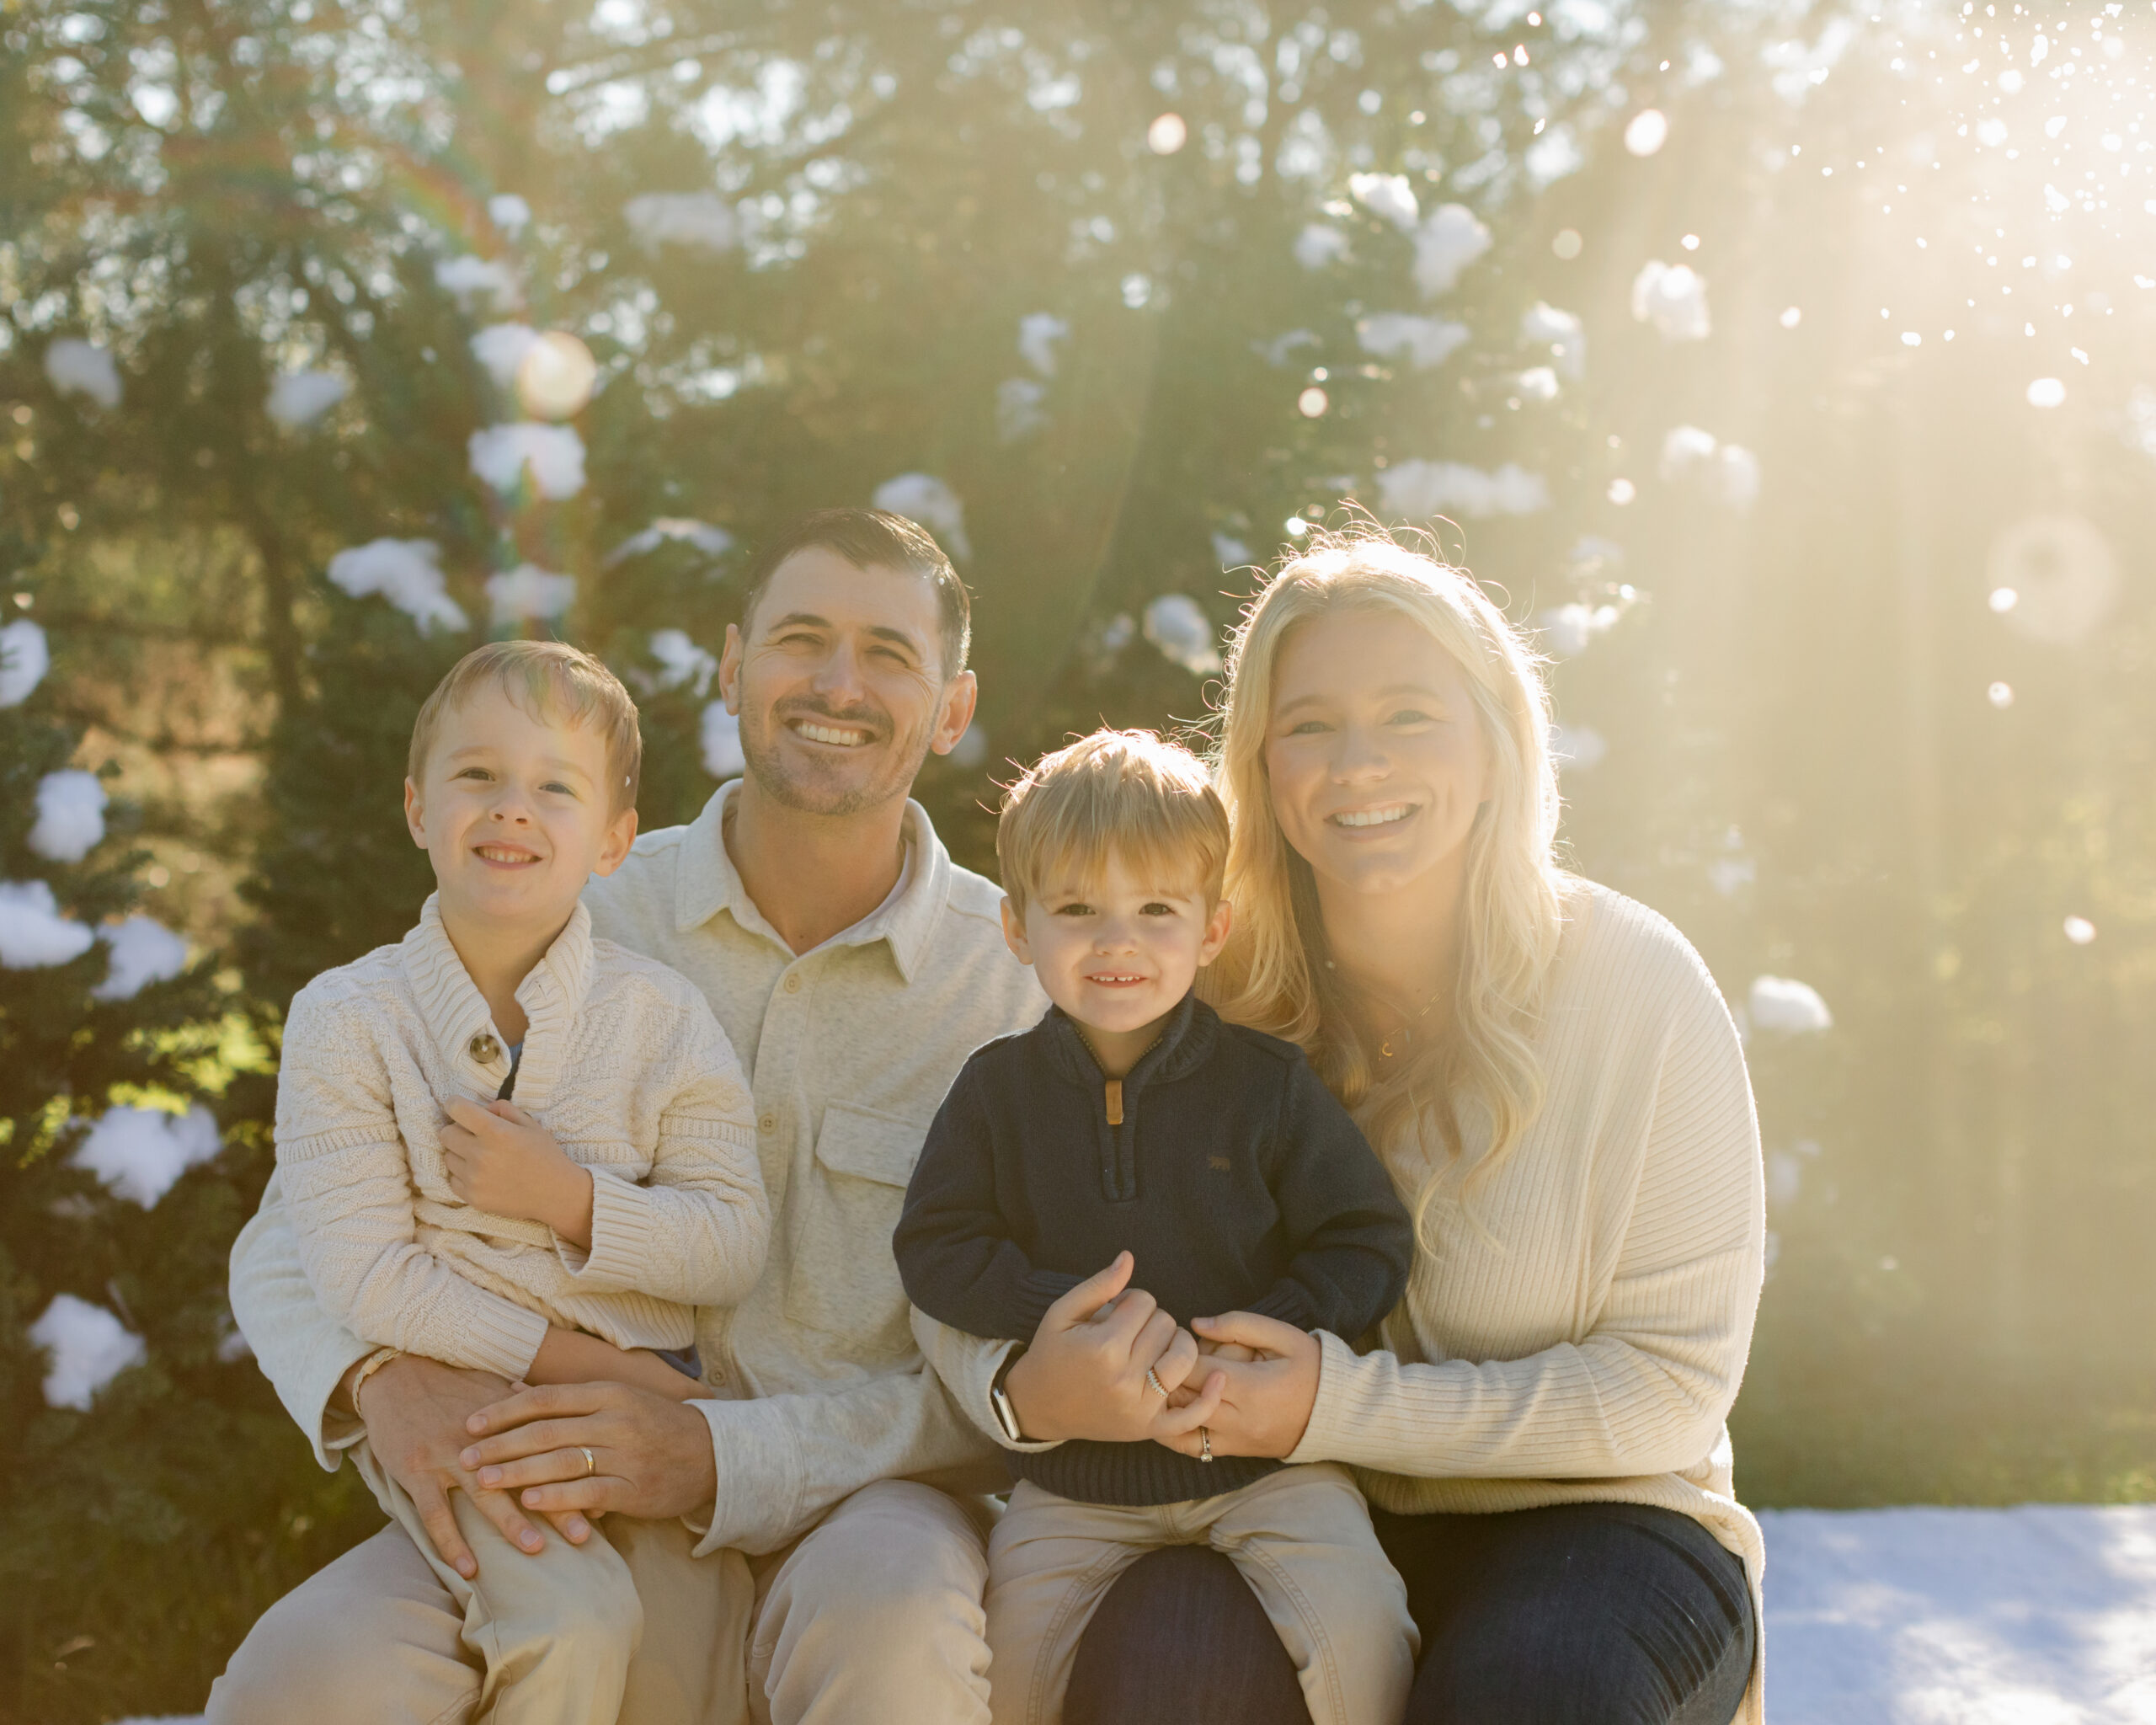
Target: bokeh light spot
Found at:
x=2000, y=695
x=1311, y=403
x=1647, y=131
x=2080, y=930
x=1567, y=243
x=2046, y=392
x=1166, y=134
x=556, y=375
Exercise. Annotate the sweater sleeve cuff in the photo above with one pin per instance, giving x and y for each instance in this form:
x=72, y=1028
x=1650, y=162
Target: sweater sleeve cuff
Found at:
x=1324, y=1438
x=757, y=1465
x=620, y=1237
x=1036, y=1291
x=500, y=1336
x=1290, y=1302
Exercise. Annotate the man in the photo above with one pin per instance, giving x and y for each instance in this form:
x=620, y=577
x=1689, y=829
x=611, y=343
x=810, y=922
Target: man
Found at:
x=854, y=967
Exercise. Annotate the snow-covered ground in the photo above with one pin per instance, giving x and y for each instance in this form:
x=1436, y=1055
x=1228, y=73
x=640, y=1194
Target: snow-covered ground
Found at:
x=2040, y=1616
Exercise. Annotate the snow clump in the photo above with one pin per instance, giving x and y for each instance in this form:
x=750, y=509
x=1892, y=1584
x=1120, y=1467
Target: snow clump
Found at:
x=469, y=277
x=69, y=816
x=922, y=497
x=720, y=734
x=1018, y=408
x=501, y=348
x=139, y=1153
x=299, y=398
x=83, y=368
x=142, y=951
x=1543, y=325
x=405, y=572
x=1423, y=342
x=528, y=593
x=554, y=454
x=1319, y=244
x=681, y=660
x=1731, y=471
x=33, y=933
x=24, y=661
x=89, y=1348
x=712, y=541
x=684, y=218
x=1570, y=630
x=508, y=213
x=1039, y=332
x=1176, y=625
x=1386, y=195
x=1419, y=490
x=1554, y=155
x=1674, y=298
x=1785, y=1005
x=1447, y=242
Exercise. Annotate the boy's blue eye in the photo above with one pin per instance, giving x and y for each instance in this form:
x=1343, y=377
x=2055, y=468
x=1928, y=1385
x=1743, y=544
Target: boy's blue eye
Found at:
x=1074, y=909
x=1157, y=909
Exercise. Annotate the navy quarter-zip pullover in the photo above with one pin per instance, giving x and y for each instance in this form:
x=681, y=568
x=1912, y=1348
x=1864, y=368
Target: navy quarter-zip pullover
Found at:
x=1220, y=1162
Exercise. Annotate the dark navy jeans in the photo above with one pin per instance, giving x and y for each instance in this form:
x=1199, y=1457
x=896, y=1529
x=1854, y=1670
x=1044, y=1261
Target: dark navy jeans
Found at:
x=1584, y=1613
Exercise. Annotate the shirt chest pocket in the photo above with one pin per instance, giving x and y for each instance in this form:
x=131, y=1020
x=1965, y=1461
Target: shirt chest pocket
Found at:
x=843, y=1281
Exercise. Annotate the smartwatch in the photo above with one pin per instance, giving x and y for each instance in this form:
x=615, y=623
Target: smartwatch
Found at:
x=999, y=1398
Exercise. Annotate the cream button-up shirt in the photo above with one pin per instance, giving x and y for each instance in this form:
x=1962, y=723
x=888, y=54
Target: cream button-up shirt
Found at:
x=849, y=1049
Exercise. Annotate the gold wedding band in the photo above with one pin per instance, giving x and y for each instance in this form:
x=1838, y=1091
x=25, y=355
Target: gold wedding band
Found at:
x=1205, y=1443
x=1152, y=1382
x=592, y=1466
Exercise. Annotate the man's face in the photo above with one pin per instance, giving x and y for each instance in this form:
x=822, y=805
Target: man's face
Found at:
x=839, y=683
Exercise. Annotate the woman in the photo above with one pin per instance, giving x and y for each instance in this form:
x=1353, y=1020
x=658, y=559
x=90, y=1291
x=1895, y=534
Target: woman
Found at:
x=1552, y=1079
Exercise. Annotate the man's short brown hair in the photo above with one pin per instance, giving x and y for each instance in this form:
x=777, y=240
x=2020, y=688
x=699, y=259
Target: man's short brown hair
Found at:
x=555, y=683
x=1149, y=801
x=874, y=538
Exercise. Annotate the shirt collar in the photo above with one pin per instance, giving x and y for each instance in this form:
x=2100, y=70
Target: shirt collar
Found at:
x=455, y=1013
x=707, y=883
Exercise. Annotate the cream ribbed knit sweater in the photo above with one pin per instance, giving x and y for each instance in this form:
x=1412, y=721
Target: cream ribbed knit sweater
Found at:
x=623, y=1062
x=1578, y=1333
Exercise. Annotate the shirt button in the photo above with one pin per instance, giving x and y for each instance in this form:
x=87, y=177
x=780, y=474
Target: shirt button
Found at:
x=794, y=982
x=484, y=1049
x=768, y=1123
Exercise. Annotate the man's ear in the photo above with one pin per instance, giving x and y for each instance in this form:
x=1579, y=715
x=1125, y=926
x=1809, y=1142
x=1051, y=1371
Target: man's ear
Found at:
x=959, y=698
x=1014, y=933
x=729, y=669
x=415, y=816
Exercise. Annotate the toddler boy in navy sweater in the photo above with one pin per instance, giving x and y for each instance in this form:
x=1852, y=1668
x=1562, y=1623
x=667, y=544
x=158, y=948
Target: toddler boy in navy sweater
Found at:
x=1131, y=1118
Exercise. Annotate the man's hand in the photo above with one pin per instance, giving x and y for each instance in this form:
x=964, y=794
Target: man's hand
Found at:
x=1085, y=1374
x=651, y=1457
x=415, y=1411
x=502, y=1159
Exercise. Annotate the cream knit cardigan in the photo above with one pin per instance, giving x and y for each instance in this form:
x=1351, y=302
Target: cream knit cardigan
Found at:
x=1577, y=1331
x=623, y=1062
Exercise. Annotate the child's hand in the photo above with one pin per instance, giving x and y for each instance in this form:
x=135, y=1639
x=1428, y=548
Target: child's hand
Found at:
x=502, y=1159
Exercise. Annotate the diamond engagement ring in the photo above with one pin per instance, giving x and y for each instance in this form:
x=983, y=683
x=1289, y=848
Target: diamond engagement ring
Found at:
x=1205, y=1443
x=590, y=1466
x=1153, y=1383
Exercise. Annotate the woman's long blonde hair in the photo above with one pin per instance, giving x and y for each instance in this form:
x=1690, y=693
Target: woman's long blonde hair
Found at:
x=1276, y=975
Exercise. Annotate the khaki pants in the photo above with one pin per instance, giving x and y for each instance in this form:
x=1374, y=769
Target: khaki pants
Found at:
x=874, y=1615
x=1303, y=1540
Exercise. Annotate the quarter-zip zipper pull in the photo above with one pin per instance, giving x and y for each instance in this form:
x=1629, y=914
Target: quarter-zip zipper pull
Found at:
x=1115, y=1102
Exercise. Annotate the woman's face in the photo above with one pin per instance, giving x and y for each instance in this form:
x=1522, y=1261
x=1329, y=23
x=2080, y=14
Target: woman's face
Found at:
x=1376, y=750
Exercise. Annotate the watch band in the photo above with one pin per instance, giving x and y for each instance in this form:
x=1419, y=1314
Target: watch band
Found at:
x=999, y=1399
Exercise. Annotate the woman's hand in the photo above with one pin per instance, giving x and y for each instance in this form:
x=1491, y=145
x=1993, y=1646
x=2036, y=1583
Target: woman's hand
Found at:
x=415, y=1412
x=1265, y=1402
x=649, y=1456
x=1083, y=1375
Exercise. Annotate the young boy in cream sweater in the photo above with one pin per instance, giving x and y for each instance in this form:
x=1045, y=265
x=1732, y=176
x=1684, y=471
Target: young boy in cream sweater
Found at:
x=1131, y=1118
x=514, y=1148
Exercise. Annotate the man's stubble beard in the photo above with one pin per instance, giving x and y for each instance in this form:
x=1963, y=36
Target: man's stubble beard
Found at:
x=801, y=793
